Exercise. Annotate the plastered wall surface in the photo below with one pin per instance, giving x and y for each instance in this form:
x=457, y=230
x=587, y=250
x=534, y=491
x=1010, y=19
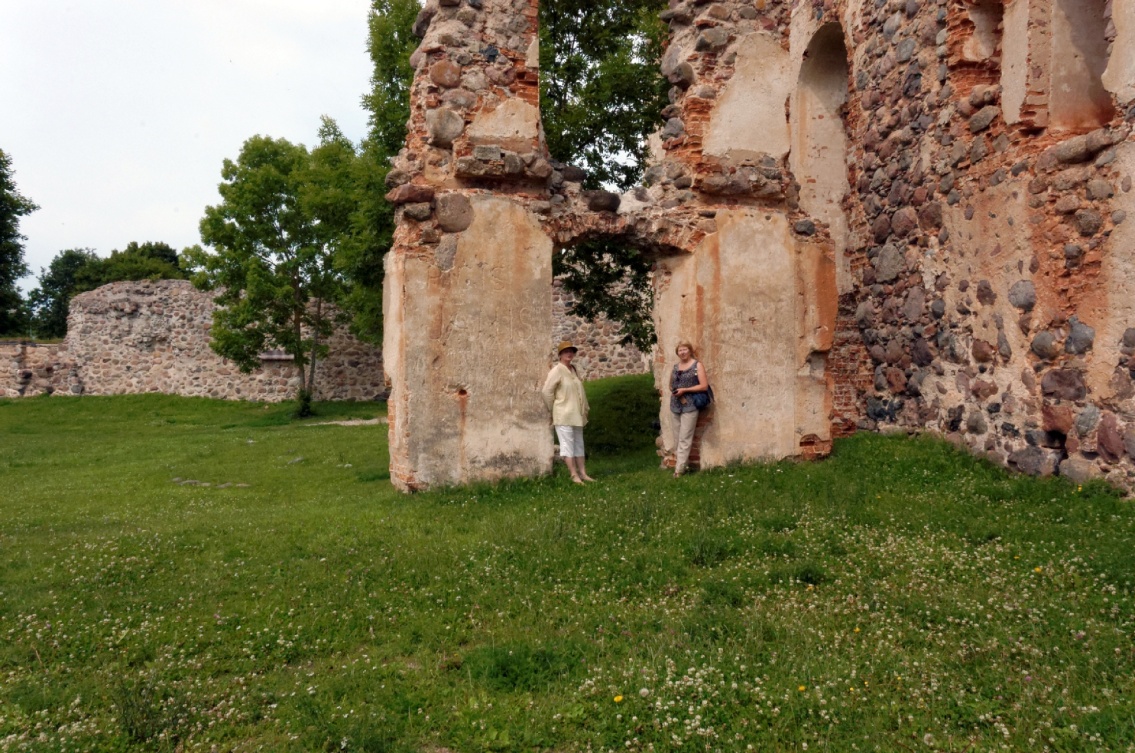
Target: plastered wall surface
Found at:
x=980, y=237
x=474, y=357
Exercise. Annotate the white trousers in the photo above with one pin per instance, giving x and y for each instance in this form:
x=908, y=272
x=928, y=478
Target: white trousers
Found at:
x=684, y=426
x=571, y=441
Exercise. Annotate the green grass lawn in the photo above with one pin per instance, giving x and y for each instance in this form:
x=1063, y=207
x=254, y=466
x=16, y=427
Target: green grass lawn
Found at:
x=900, y=596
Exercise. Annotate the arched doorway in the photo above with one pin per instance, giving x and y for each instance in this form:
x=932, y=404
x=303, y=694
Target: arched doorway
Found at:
x=819, y=138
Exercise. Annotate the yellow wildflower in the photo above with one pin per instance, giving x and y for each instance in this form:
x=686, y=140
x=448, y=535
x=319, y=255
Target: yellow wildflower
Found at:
x=618, y=699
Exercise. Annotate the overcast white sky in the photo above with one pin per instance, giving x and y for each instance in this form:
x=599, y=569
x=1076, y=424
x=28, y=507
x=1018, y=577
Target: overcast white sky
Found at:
x=117, y=114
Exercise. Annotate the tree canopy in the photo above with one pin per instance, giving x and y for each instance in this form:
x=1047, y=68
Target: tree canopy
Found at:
x=391, y=42
x=285, y=216
x=601, y=89
x=13, y=207
x=602, y=96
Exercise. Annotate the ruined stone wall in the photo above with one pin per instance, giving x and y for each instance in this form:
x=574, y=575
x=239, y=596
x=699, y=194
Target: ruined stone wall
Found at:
x=965, y=166
x=482, y=205
x=991, y=176
x=28, y=369
x=601, y=351
x=139, y=337
x=978, y=194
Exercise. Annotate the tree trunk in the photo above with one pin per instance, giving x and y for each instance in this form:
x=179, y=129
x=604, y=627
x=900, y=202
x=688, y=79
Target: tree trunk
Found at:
x=297, y=333
x=318, y=324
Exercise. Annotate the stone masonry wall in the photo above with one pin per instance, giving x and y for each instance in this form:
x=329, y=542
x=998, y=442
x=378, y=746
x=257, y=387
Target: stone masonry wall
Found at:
x=140, y=337
x=970, y=162
x=28, y=369
x=990, y=172
x=979, y=194
x=601, y=352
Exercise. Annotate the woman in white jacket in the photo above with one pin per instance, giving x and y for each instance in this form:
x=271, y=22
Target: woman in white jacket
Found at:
x=566, y=399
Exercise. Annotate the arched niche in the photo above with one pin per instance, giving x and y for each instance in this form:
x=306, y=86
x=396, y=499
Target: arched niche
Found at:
x=819, y=138
x=1078, y=100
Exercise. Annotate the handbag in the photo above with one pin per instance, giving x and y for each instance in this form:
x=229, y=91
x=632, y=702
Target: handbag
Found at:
x=702, y=400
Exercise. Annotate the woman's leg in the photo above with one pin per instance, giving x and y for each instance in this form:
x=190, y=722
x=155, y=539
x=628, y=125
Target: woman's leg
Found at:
x=580, y=455
x=676, y=429
x=573, y=464
x=687, y=424
x=566, y=437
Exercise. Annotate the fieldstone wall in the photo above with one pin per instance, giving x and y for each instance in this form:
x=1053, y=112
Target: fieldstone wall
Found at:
x=30, y=369
x=601, y=351
x=994, y=275
x=138, y=337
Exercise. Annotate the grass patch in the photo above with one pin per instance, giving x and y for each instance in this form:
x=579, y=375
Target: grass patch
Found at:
x=190, y=575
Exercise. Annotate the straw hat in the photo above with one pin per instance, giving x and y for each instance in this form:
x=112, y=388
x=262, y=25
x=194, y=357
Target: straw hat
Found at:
x=566, y=345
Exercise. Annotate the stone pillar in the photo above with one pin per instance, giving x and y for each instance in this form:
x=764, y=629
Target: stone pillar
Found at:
x=762, y=313
x=469, y=280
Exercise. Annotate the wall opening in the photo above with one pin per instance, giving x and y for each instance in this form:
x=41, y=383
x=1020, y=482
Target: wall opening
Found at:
x=819, y=139
x=984, y=44
x=1077, y=99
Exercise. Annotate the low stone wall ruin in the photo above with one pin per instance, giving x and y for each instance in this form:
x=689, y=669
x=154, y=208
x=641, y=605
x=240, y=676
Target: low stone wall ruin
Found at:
x=139, y=337
x=29, y=368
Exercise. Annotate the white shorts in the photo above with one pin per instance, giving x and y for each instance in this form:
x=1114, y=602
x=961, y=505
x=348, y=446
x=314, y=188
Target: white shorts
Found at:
x=571, y=441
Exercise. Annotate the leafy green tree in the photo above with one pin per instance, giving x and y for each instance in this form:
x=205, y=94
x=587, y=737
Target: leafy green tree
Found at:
x=50, y=302
x=602, y=92
x=275, y=235
x=372, y=226
x=391, y=42
x=145, y=261
x=602, y=96
x=13, y=206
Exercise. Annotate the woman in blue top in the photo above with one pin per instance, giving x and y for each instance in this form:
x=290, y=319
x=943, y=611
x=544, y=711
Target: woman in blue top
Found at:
x=688, y=377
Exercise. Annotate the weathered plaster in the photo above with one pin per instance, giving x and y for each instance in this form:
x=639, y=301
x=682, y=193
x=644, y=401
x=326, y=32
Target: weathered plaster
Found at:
x=1119, y=78
x=819, y=136
x=1015, y=59
x=763, y=312
x=750, y=117
x=467, y=370
x=1078, y=99
x=514, y=124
